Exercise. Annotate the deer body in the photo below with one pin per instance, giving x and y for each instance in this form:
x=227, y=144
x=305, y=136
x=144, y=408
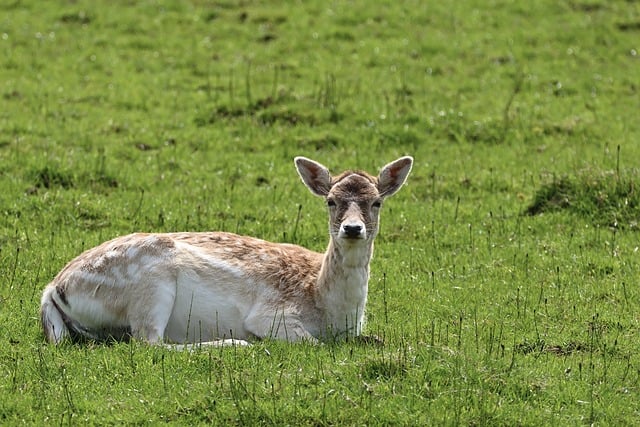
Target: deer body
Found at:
x=215, y=287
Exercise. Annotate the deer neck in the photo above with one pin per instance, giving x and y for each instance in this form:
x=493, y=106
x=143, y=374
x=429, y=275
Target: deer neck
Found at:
x=343, y=285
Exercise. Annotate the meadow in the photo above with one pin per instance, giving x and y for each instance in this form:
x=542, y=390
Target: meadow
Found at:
x=505, y=281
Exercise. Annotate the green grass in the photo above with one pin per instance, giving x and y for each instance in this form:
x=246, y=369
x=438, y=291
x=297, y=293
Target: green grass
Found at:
x=505, y=279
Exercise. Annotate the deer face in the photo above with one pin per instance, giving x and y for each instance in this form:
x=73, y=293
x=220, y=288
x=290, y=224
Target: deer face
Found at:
x=354, y=206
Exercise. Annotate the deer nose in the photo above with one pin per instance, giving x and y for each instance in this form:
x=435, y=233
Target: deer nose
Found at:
x=352, y=230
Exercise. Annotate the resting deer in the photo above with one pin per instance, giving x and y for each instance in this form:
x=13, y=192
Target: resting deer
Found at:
x=218, y=288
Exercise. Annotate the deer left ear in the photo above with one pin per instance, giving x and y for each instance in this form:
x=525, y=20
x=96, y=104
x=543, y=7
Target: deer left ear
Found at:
x=393, y=175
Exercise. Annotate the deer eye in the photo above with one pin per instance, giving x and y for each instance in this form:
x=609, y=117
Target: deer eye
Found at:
x=331, y=203
x=376, y=204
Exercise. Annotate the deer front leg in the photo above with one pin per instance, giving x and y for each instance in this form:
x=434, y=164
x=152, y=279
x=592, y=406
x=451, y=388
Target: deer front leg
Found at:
x=264, y=322
x=229, y=342
x=151, y=309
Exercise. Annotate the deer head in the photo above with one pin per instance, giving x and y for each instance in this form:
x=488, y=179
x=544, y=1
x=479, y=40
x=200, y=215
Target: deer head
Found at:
x=354, y=198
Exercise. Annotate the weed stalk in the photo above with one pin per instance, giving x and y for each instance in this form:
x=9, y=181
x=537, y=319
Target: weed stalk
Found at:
x=384, y=298
x=15, y=267
x=247, y=83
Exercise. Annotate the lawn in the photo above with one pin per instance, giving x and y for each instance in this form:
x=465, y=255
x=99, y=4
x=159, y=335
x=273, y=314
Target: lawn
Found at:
x=505, y=281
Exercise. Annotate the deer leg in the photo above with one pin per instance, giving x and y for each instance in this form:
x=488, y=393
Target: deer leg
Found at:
x=151, y=309
x=229, y=342
x=265, y=323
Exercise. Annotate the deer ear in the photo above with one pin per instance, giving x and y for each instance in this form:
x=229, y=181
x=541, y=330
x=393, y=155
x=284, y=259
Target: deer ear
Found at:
x=393, y=175
x=315, y=176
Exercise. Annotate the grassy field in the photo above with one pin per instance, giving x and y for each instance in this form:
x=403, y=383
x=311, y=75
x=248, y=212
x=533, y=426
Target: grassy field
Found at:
x=506, y=275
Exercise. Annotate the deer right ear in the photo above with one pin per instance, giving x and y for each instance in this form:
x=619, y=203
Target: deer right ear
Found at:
x=315, y=176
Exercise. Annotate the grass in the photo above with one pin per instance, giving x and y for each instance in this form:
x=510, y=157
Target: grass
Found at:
x=603, y=197
x=505, y=277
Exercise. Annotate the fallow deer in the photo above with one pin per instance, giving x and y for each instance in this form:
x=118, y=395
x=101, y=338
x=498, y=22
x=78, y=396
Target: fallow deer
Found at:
x=219, y=288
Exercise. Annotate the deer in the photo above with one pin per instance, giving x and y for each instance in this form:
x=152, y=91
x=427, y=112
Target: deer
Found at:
x=218, y=288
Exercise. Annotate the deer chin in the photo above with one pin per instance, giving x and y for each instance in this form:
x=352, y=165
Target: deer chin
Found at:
x=352, y=240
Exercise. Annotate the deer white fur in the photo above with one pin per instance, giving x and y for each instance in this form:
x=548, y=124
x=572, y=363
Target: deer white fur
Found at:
x=219, y=288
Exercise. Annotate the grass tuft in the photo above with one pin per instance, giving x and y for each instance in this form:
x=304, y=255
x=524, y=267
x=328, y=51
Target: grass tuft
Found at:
x=383, y=369
x=600, y=197
x=51, y=177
